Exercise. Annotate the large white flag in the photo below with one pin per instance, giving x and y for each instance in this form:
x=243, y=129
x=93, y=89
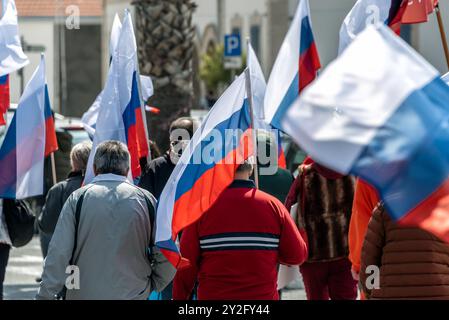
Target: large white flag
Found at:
x=116, y=95
x=89, y=118
x=12, y=57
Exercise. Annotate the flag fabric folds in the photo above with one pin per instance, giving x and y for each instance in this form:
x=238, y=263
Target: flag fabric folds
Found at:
x=418, y=11
x=366, y=12
x=258, y=88
x=4, y=97
x=12, y=57
x=380, y=112
x=120, y=109
x=27, y=140
x=217, y=148
x=295, y=67
x=445, y=78
x=51, y=143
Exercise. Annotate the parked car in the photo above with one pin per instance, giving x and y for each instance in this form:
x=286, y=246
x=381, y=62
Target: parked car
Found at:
x=71, y=125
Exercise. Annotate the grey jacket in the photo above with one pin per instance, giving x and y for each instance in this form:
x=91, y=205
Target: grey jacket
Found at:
x=111, y=255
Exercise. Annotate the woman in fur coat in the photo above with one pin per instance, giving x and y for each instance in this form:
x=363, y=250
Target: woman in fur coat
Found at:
x=324, y=200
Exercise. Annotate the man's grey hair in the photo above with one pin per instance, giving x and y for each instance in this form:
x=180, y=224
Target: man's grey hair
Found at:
x=80, y=155
x=112, y=157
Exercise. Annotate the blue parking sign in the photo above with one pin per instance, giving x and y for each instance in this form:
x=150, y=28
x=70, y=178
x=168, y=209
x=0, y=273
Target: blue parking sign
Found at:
x=233, y=45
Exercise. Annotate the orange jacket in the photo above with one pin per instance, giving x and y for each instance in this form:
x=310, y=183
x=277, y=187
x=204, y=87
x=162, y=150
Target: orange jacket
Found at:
x=365, y=200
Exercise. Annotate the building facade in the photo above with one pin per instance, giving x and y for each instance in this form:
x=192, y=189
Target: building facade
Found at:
x=69, y=32
x=78, y=58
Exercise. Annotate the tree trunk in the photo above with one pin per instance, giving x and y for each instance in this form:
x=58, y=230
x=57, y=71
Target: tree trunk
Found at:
x=165, y=40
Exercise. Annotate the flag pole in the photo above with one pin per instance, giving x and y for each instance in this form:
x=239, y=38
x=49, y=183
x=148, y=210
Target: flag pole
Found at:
x=442, y=33
x=53, y=167
x=249, y=93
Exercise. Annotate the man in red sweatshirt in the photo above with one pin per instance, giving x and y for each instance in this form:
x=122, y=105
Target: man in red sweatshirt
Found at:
x=236, y=246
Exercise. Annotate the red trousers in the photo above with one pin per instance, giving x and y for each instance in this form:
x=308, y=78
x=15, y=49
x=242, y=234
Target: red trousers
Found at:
x=333, y=279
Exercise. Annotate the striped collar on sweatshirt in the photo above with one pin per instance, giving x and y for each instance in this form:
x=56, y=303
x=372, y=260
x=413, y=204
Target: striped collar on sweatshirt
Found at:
x=240, y=241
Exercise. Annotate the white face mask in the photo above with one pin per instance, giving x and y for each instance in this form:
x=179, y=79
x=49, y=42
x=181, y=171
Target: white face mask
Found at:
x=176, y=149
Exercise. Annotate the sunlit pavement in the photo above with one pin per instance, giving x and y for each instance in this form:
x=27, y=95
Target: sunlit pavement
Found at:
x=25, y=265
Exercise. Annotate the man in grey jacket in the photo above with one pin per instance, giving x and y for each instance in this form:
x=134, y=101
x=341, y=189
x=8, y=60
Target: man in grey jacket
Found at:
x=114, y=231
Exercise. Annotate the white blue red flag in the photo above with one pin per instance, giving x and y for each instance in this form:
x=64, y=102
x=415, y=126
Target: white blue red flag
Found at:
x=206, y=168
x=12, y=57
x=258, y=89
x=366, y=12
x=295, y=67
x=30, y=138
x=120, y=113
x=381, y=112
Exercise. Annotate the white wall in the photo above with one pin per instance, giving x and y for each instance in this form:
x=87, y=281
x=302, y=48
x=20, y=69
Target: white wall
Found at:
x=205, y=14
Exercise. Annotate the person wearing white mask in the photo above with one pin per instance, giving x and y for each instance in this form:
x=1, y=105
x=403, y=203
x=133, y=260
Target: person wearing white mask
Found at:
x=159, y=170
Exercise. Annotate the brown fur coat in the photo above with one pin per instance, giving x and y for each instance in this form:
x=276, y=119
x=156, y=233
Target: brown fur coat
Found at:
x=325, y=212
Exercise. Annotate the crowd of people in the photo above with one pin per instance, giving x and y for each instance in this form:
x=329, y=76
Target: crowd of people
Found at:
x=334, y=227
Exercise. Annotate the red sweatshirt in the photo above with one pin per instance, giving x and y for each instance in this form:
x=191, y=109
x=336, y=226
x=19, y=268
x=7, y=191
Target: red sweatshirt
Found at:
x=235, y=247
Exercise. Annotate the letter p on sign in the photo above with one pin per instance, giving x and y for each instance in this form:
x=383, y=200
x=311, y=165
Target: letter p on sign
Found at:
x=233, y=46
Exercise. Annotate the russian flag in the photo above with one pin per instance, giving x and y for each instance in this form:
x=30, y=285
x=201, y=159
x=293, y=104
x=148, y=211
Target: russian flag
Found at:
x=295, y=67
x=380, y=111
x=258, y=89
x=120, y=112
x=135, y=129
x=206, y=168
x=133, y=114
x=365, y=12
x=51, y=143
x=23, y=150
x=4, y=97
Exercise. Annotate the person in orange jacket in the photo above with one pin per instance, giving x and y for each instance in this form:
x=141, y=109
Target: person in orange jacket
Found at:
x=366, y=199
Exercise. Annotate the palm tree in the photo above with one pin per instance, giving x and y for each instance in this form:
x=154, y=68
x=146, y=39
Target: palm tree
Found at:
x=165, y=39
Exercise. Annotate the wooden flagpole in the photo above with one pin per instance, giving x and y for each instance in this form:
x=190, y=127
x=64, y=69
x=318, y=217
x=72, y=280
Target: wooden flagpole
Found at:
x=249, y=93
x=442, y=33
x=53, y=167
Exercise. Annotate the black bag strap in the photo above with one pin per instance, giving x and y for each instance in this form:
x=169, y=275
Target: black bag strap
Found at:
x=79, y=205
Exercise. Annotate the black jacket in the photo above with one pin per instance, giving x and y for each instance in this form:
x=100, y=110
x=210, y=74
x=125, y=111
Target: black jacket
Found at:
x=156, y=175
x=55, y=200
